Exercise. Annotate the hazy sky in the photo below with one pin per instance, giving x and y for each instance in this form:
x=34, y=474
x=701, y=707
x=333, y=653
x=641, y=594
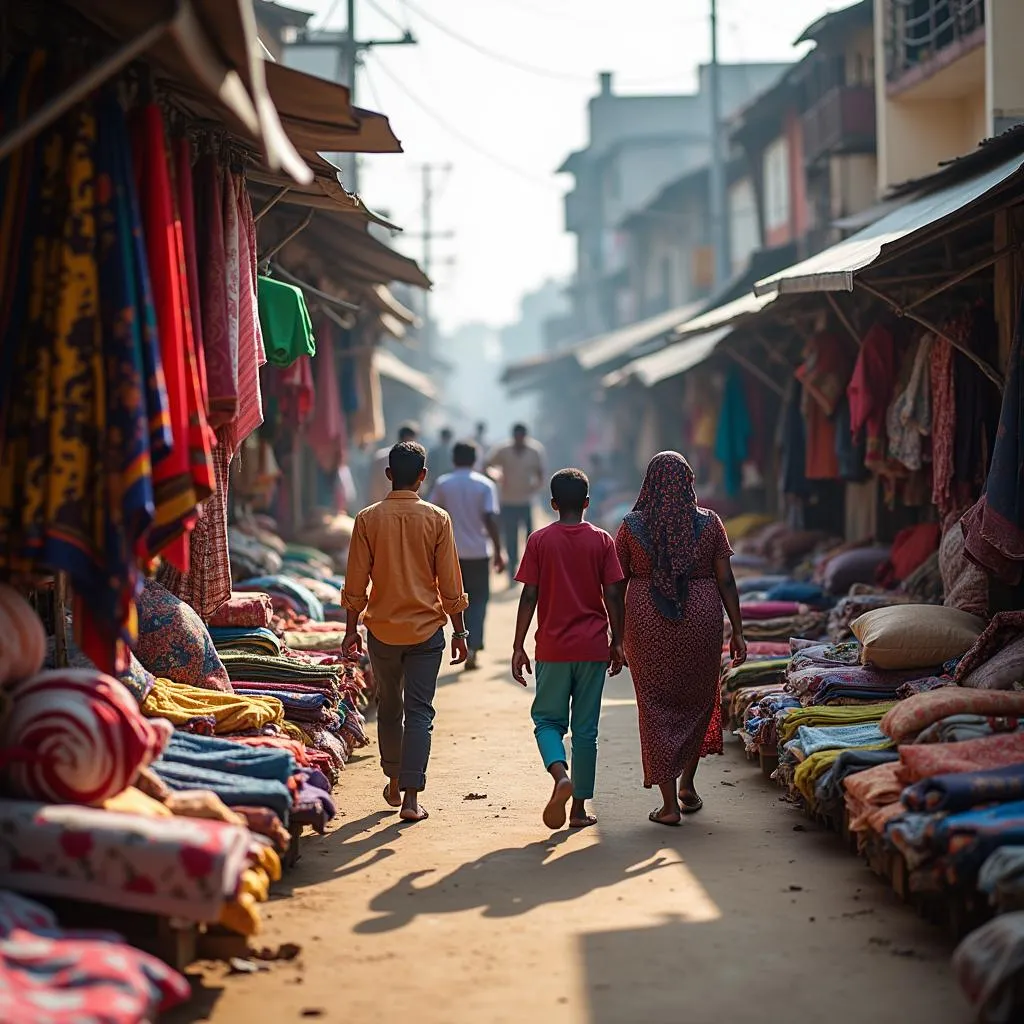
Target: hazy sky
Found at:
x=504, y=129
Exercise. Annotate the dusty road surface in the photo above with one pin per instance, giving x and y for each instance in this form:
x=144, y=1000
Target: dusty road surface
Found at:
x=745, y=914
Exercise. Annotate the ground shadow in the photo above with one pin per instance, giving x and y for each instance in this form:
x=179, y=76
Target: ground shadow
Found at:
x=507, y=882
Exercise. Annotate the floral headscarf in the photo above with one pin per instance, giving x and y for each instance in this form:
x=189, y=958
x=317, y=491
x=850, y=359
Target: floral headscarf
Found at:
x=665, y=521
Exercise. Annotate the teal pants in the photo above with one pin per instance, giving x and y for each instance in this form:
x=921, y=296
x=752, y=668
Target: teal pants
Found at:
x=569, y=699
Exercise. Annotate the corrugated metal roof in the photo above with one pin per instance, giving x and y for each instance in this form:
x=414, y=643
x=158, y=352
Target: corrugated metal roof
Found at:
x=595, y=352
x=669, y=362
x=725, y=315
x=834, y=268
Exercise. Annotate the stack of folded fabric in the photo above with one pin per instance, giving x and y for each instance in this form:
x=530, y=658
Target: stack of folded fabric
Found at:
x=850, y=608
x=761, y=717
x=245, y=639
x=244, y=611
x=286, y=593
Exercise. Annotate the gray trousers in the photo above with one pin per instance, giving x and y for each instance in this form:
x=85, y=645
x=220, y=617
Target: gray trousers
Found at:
x=406, y=680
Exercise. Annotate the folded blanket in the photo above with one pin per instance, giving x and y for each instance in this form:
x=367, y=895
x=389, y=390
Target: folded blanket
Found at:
x=838, y=737
x=964, y=790
x=48, y=973
x=233, y=789
x=244, y=611
x=176, y=867
x=916, y=713
x=922, y=760
x=191, y=706
x=823, y=716
x=250, y=640
x=227, y=756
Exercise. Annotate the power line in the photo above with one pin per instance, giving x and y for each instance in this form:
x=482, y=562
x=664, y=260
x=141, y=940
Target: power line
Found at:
x=387, y=16
x=494, y=55
x=468, y=142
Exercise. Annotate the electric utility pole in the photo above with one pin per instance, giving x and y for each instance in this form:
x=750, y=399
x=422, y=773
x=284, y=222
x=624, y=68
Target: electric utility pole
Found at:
x=428, y=235
x=349, y=47
x=719, y=216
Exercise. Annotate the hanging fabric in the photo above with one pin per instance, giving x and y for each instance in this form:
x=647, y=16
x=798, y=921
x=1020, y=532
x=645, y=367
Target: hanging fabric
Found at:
x=994, y=527
x=327, y=434
x=251, y=354
x=732, y=438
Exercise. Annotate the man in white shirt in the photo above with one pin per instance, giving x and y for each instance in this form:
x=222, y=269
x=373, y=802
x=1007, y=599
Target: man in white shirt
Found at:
x=522, y=469
x=471, y=500
x=379, y=484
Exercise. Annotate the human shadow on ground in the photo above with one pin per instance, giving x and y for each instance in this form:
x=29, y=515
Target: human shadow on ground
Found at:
x=508, y=882
x=354, y=846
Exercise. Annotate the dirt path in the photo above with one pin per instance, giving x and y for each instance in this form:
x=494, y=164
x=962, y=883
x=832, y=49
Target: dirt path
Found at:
x=745, y=914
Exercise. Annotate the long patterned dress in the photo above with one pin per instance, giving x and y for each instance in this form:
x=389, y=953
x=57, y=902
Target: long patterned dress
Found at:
x=675, y=665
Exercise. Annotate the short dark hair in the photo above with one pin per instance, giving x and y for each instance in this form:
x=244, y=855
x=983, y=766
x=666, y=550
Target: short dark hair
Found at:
x=408, y=432
x=570, y=489
x=406, y=460
x=519, y=428
x=446, y=433
x=464, y=453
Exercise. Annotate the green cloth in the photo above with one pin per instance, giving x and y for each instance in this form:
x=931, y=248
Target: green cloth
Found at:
x=284, y=320
x=828, y=714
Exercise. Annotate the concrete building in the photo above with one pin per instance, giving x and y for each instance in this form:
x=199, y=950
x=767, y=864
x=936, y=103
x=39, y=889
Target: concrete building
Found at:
x=637, y=145
x=953, y=76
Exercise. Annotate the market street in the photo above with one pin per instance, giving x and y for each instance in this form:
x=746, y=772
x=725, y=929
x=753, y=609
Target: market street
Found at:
x=482, y=915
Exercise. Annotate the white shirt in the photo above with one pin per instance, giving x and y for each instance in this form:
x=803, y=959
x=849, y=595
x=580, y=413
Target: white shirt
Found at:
x=468, y=497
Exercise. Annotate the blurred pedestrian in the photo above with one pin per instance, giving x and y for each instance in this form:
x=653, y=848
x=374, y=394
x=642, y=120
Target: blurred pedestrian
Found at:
x=439, y=458
x=520, y=465
x=471, y=499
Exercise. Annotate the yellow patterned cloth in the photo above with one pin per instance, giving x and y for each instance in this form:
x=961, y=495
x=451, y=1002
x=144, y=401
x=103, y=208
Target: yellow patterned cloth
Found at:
x=185, y=705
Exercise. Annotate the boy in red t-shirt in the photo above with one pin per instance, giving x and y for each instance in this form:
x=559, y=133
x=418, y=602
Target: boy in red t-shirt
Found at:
x=571, y=571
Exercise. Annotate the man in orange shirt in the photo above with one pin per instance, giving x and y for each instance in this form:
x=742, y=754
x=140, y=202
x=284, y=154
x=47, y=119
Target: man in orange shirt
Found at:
x=406, y=548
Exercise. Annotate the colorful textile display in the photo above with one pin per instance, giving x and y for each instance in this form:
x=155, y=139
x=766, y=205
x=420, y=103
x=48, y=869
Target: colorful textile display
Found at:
x=871, y=793
x=250, y=640
x=174, y=642
x=60, y=977
x=233, y=788
x=75, y=736
x=22, y=637
x=284, y=318
x=244, y=611
x=179, y=867
x=964, y=584
x=916, y=713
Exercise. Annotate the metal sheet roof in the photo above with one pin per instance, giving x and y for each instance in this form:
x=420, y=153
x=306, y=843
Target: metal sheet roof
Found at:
x=389, y=365
x=669, y=362
x=724, y=315
x=833, y=269
x=604, y=348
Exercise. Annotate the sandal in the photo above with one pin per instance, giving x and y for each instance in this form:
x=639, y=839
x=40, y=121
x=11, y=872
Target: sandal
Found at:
x=691, y=806
x=387, y=798
x=656, y=817
x=590, y=819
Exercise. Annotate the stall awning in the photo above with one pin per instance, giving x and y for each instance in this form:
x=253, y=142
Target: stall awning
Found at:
x=383, y=298
x=390, y=366
x=669, y=362
x=725, y=315
x=211, y=48
x=594, y=353
x=835, y=268
x=315, y=113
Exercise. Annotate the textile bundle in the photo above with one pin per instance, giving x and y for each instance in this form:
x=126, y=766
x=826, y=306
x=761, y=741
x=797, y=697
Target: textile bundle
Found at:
x=75, y=736
x=50, y=974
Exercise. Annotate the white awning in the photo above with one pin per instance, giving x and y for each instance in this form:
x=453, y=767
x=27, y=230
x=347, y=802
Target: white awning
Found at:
x=389, y=365
x=669, y=362
x=604, y=348
x=724, y=315
x=833, y=270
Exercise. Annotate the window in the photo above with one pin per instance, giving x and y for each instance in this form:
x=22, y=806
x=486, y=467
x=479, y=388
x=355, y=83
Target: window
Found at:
x=776, y=185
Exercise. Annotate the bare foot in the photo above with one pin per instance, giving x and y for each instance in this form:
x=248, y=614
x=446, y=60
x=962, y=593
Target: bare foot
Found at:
x=585, y=822
x=414, y=813
x=392, y=794
x=666, y=816
x=554, y=812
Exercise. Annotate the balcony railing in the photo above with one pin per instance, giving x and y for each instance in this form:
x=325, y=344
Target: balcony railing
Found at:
x=919, y=32
x=842, y=121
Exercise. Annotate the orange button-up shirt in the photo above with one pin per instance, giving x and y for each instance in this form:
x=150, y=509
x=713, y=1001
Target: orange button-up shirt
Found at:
x=405, y=547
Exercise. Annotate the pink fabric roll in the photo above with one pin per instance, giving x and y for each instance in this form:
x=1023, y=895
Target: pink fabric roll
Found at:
x=771, y=609
x=244, y=611
x=22, y=637
x=75, y=736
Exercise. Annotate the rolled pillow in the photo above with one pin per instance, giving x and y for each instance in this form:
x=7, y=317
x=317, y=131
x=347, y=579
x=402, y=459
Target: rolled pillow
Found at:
x=75, y=736
x=22, y=637
x=909, y=636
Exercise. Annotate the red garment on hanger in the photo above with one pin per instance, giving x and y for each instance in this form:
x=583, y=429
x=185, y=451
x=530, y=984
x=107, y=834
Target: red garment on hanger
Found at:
x=174, y=487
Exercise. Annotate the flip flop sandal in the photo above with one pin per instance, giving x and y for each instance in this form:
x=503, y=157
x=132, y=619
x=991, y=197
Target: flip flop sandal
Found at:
x=387, y=799
x=586, y=822
x=691, y=808
x=655, y=816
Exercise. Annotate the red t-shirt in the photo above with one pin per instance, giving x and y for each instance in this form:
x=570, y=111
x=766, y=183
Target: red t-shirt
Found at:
x=569, y=565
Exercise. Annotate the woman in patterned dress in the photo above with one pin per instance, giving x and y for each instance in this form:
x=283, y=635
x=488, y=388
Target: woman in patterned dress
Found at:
x=676, y=558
